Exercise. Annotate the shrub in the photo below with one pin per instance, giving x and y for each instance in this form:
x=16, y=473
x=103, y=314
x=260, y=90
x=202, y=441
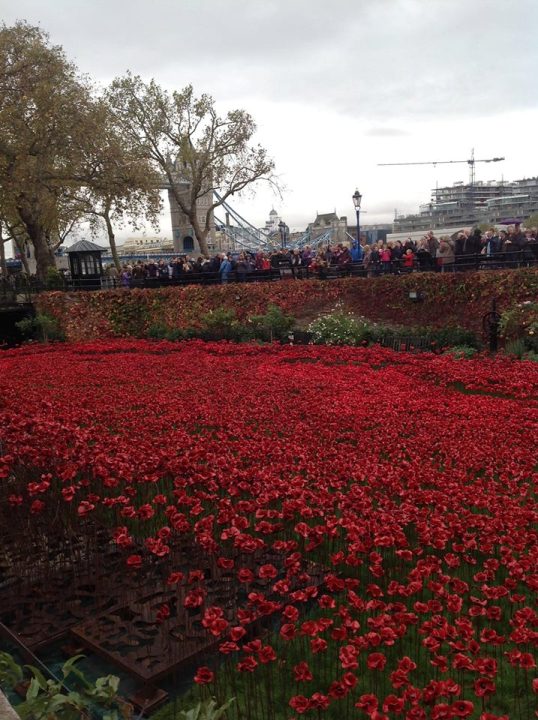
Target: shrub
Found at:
x=158, y=332
x=219, y=319
x=461, y=352
x=129, y=317
x=177, y=334
x=516, y=347
x=424, y=338
x=41, y=327
x=54, y=280
x=274, y=325
x=340, y=328
x=520, y=322
x=222, y=324
x=454, y=336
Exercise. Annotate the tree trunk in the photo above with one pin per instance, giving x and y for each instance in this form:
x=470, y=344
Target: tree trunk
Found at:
x=112, y=239
x=44, y=257
x=201, y=235
x=22, y=253
x=37, y=235
x=3, y=265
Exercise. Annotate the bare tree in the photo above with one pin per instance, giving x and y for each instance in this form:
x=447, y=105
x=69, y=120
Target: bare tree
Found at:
x=120, y=184
x=196, y=150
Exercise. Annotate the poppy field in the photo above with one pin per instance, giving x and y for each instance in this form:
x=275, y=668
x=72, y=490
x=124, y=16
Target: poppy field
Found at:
x=372, y=514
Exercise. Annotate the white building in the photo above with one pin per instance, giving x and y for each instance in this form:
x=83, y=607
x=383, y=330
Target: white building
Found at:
x=271, y=225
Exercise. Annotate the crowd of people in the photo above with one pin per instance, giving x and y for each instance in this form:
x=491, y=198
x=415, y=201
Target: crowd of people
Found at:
x=464, y=249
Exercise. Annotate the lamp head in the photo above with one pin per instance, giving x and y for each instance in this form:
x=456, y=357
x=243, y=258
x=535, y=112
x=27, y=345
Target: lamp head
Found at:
x=357, y=197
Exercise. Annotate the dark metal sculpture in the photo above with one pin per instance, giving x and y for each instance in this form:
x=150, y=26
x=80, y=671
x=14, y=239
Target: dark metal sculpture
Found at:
x=62, y=576
x=490, y=326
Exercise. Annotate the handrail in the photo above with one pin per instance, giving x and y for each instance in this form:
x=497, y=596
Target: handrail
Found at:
x=25, y=289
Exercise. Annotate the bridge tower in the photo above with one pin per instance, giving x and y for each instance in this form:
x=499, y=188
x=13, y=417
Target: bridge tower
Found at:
x=182, y=232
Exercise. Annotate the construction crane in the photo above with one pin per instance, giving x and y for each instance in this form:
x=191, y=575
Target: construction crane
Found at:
x=470, y=162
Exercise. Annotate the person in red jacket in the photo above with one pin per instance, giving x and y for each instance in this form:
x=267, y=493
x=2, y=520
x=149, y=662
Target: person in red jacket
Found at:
x=408, y=260
x=385, y=255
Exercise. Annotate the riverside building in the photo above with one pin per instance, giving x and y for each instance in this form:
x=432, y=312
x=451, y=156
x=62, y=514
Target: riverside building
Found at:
x=466, y=205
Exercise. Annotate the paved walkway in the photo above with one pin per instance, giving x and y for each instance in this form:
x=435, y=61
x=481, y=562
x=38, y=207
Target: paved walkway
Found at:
x=6, y=711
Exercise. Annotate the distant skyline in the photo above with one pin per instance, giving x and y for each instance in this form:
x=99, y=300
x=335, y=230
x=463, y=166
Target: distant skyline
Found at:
x=334, y=87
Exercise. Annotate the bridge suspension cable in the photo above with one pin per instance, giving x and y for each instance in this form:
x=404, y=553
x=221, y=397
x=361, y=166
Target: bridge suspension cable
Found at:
x=251, y=237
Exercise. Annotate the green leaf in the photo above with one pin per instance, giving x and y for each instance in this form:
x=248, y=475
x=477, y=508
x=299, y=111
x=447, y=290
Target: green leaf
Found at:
x=112, y=715
x=207, y=710
x=192, y=714
x=69, y=668
x=33, y=689
x=32, y=708
x=38, y=675
x=10, y=671
x=113, y=682
x=221, y=710
x=59, y=701
x=77, y=698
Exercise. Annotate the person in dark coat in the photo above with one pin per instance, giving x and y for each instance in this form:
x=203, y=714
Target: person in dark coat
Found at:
x=242, y=267
x=214, y=263
x=375, y=260
x=296, y=264
x=459, y=244
x=425, y=260
x=344, y=260
x=473, y=244
x=409, y=245
x=518, y=237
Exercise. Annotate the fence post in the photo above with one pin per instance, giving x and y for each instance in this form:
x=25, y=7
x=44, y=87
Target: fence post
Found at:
x=490, y=325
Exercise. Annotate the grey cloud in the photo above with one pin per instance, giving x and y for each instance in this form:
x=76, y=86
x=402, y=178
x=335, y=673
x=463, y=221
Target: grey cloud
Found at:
x=385, y=132
x=370, y=59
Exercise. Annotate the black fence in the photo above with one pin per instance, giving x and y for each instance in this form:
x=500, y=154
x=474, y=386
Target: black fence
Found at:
x=15, y=290
x=19, y=288
x=464, y=263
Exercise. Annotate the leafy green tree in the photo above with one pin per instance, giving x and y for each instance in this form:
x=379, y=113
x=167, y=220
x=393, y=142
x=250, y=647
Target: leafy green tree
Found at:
x=44, y=107
x=196, y=150
x=63, y=157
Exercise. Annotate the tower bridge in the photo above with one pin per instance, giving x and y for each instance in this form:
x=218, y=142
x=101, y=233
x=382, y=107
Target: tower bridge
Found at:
x=237, y=233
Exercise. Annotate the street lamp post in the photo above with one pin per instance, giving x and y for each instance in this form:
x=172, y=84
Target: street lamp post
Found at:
x=283, y=229
x=357, y=197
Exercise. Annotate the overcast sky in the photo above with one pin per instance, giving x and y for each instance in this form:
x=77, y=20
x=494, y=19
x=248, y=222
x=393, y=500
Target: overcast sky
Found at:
x=335, y=86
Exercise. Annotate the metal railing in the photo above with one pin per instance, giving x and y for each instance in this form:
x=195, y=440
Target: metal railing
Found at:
x=466, y=263
x=15, y=290
x=20, y=289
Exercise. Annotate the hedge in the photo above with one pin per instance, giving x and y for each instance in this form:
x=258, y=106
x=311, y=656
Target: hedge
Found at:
x=447, y=299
